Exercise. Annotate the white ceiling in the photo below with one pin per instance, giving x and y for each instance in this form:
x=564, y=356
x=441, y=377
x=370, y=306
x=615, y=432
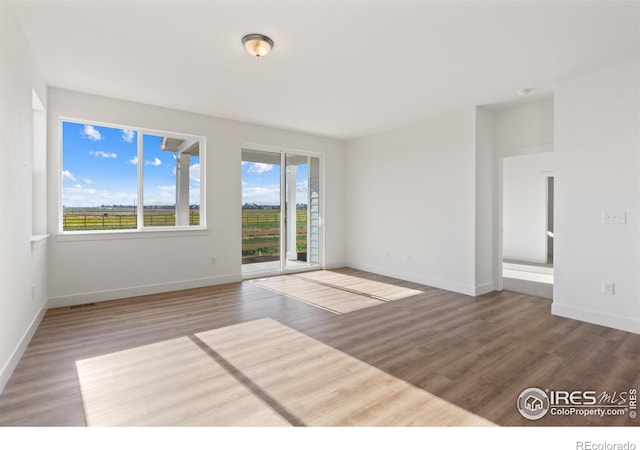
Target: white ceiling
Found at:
x=342, y=69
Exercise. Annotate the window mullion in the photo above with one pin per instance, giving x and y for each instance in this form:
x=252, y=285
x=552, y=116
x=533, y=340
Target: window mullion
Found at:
x=140, y=211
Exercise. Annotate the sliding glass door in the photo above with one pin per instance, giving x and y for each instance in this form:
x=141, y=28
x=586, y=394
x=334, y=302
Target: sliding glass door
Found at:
x=261, y=218
x=302, y=206
x=280, y=212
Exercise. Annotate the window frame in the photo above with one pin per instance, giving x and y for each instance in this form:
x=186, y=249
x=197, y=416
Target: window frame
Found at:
x=141, y=230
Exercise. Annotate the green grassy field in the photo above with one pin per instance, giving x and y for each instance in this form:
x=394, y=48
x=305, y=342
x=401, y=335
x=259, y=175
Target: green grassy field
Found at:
x=115, y=221
x=261, y=232
x=260, y=227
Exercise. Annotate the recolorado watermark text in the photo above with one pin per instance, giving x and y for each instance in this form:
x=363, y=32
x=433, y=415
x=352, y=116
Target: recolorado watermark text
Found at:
x=588, y=445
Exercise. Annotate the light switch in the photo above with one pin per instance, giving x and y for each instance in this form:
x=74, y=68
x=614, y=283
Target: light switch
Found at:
x=614, y=217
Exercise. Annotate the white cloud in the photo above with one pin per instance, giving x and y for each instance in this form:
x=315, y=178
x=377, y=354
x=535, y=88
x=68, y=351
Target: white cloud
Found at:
x=194, y=196
x=88, y=181
x=302, y=186
x=78, y=189
x=90, y=132
x=194, y=173
x=262, y=190
x=93, y=197
x=156, y=162
x=269, y=195
x=302, y=192
x=260, y=168
x=128, y=135
x=68, y=175
x=133, y=160
x=244, y=162
x=164, y=198
x=166, y=188
x=102, y=154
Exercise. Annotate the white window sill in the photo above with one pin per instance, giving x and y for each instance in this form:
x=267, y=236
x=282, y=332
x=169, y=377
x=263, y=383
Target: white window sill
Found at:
x=38, y=240
x=129, y=234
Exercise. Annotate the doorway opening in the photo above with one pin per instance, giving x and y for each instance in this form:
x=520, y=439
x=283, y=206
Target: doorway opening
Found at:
x=527, y=224
x=280, y=212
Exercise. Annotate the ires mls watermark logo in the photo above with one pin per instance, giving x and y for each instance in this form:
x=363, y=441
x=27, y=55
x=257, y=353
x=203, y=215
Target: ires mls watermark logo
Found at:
x=534, y=403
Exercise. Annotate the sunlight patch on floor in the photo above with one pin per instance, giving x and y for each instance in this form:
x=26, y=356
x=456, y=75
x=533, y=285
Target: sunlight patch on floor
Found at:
x=258, y=373
x=325, y=297
x=169, y=383
x=378, y=289
x=322, y=386
x=335, y=292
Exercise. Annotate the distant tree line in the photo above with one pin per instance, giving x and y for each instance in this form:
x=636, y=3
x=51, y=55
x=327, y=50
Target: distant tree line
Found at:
x=270, y=207
x=121, y=207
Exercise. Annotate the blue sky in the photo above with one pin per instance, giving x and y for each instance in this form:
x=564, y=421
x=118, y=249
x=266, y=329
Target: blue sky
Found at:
x=261, y=183
x=99, y=166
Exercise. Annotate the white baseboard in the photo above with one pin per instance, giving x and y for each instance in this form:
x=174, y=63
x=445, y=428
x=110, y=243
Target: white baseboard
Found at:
x=114, y=294
x=335, y=265
x=432, y=282
x=11, y=364
x=485, y=288
x=598, y=318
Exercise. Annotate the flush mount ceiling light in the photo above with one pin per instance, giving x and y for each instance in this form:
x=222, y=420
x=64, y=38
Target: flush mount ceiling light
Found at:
x=257, y=44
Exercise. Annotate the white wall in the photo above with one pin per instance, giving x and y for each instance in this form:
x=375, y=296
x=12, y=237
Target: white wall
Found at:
x=411, y=202
x=598, y=169
x=82, y=271
x=525, y=129
x=524, y=206
x=20, y=267
x=486, y=201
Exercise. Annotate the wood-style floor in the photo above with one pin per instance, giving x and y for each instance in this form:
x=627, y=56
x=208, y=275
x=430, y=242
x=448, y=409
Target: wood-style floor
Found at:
x=476, y=354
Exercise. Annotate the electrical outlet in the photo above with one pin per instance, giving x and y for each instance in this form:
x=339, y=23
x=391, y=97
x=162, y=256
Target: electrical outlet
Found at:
x=607, y=287
x=213, y=261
